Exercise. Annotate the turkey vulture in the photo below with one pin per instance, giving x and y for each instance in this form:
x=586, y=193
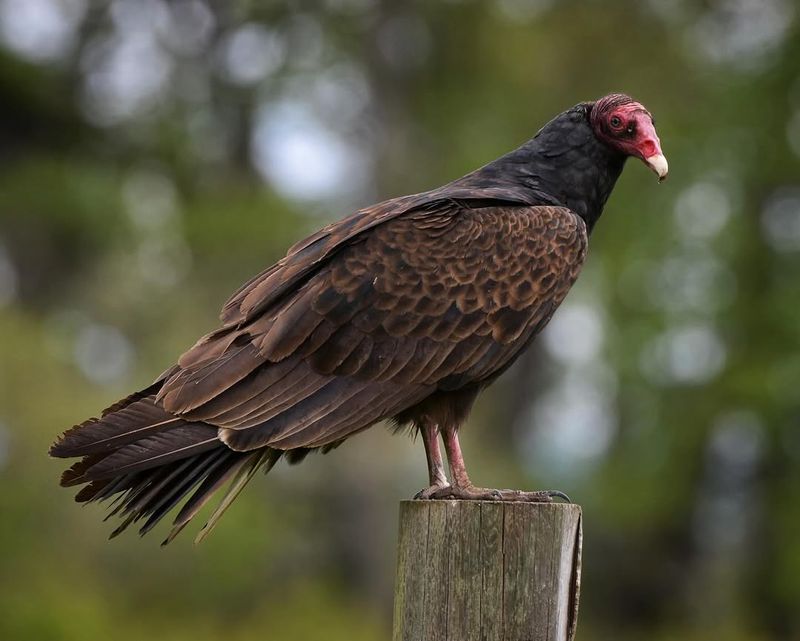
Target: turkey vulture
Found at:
x=403, y=311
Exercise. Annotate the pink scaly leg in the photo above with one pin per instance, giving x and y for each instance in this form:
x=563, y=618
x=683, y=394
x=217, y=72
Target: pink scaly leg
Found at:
x=462, y=487
x=436, y=475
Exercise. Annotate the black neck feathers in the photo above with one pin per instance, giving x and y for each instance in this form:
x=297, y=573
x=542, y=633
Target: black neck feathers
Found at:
x=564, y=164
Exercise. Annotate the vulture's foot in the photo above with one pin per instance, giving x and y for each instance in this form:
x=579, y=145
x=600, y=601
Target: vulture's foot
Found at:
x=428, y=492
x=540, y=496
x=471, y=493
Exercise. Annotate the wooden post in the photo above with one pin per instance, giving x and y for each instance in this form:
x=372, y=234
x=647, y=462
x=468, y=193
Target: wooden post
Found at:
x=487, y=571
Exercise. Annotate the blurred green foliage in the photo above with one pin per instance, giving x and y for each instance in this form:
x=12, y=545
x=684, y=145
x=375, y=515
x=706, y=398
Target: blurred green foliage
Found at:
x=154, y=155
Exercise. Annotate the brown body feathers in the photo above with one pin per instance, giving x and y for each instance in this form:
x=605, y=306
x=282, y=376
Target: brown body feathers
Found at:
x=406, y=308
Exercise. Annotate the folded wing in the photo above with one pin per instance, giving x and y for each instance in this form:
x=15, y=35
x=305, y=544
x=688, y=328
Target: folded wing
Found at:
x=433, y=300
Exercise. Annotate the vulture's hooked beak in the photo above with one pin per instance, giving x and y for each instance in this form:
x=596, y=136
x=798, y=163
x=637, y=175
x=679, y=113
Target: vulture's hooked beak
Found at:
x=647, y=145
x=658, y=163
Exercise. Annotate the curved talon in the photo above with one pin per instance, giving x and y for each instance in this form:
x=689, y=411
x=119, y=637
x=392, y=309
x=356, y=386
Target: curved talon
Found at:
x=540, y=496
x=488, y=494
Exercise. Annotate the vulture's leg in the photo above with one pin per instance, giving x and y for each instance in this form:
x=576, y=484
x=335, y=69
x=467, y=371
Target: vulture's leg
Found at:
x=462, y=487
x=436, y=475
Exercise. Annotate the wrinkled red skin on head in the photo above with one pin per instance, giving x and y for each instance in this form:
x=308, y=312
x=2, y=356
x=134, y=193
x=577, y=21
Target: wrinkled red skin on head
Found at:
x=641, y=142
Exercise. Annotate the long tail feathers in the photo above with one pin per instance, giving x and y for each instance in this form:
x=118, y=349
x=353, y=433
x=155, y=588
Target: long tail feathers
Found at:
x=245, y=473
x=149, y=461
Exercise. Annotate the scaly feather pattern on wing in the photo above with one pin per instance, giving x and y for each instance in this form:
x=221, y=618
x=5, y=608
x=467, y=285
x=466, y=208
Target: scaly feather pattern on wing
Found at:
x=436, y=299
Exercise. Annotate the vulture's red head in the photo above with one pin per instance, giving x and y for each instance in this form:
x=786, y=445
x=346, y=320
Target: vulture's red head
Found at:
x=624, y=124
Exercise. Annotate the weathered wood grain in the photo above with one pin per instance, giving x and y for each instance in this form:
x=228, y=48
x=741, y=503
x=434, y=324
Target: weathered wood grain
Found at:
x=487, y=571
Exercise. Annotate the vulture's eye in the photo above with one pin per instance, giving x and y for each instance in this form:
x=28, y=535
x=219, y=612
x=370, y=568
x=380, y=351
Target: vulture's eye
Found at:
x=615, y=121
